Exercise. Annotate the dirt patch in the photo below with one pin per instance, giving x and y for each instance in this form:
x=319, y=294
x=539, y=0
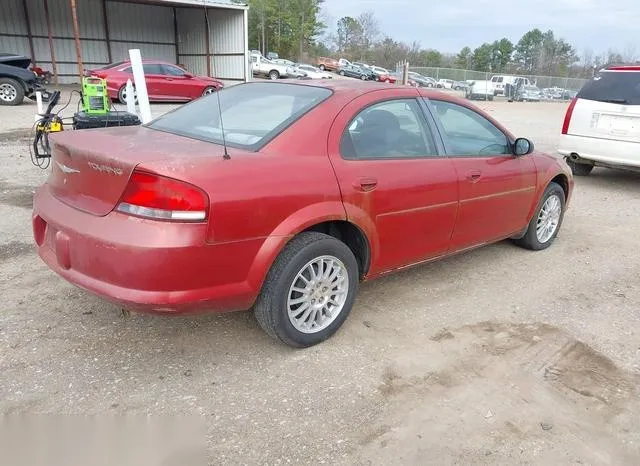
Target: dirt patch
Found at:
x=16, y=195
x=443, y=334
x=14, y=249
x=492, y=384
x=22, y=135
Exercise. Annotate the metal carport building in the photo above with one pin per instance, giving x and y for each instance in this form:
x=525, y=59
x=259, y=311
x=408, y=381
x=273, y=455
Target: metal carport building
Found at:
x=208, y=37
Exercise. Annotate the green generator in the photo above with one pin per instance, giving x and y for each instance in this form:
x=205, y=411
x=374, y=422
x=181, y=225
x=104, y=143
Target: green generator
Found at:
x=95, y=100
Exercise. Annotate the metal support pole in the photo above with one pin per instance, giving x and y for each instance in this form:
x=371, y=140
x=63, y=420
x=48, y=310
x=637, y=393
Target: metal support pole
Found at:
x=54, y=66
x=29, y=36
x=106, y=30
x=76, y=37
x=208, y=41
x=175, y=35
x=405, y=73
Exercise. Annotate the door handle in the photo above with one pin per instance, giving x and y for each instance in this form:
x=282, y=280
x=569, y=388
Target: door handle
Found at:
x=474, y=175
x=366, y=184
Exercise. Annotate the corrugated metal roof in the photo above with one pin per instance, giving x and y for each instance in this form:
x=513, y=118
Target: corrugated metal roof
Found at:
x=222, y=4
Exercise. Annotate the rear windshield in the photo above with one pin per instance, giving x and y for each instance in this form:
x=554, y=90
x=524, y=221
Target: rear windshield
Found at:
x=252, y=114
x=618, y=87
x=112, y=65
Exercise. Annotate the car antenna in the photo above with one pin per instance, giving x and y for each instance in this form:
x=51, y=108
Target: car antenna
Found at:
x=226, y=155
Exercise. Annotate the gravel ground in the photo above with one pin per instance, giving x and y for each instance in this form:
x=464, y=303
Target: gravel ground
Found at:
x=497, y=356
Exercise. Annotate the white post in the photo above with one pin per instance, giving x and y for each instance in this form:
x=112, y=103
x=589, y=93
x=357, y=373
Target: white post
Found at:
x=39, y=109
x=141, y=85
x=131, y=98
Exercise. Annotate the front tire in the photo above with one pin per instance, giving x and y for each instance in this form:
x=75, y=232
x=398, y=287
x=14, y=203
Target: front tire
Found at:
x=547, y=219
x=322, y=67
x=309, y=291
x=209, y=90
x=11, y=92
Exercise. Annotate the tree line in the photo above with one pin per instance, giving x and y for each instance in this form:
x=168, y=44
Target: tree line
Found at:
x=295, y=29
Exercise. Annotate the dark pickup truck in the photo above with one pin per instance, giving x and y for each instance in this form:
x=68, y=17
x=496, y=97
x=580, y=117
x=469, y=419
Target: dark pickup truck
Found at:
x=17, y=81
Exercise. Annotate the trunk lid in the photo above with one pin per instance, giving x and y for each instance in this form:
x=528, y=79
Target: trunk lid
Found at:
x=91, y=167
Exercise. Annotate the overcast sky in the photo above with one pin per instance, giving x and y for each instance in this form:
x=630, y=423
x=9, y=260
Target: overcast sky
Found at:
x=448, y=25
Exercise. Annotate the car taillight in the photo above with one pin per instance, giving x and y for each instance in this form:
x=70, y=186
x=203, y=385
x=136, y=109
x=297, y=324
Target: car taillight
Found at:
x=567, y=117
x=157, y=197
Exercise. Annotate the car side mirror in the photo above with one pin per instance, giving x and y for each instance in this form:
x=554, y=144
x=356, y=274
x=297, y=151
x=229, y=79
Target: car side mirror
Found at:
x=187, y=75
x=522, y=146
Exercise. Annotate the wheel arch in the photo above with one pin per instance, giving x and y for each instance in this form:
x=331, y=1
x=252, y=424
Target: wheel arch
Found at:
x=20, y=81
x=563, y=181
x=331, y=221
x=351, y=235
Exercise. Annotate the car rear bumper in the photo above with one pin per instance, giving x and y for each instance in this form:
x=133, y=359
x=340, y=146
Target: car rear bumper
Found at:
x=141, y=265
x=605, y=151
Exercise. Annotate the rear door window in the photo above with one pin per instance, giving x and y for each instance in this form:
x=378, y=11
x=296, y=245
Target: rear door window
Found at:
x=152, y=68
x=172, y=70
x=386, y=130
x=616, y=87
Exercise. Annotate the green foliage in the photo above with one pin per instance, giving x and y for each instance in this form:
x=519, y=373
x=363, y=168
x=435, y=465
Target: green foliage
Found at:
x=464, y=59
x=482, y=57
x=288, y=27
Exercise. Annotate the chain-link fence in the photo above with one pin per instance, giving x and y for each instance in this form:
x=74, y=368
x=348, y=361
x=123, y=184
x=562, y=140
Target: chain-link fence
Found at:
x=556, y=87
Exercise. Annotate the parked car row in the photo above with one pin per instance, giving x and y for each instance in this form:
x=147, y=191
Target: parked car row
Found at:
x=356, y=70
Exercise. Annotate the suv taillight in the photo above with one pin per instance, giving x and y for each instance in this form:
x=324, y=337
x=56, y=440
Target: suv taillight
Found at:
x=157, y=197
x=567, y=117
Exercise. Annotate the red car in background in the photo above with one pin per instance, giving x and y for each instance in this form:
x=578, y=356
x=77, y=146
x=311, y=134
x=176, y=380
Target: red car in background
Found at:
x=288, y=197
x=165, y=81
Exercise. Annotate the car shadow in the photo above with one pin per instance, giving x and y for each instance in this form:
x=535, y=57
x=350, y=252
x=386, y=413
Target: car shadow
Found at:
x=612, y=179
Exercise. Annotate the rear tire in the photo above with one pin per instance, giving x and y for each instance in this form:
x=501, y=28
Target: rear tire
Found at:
x=547, y=220
x=274, y=75
x=579, y=169
x=275, y=308
x=122, y=95
x=341, y=73
x=322, y=67
x=11, y=92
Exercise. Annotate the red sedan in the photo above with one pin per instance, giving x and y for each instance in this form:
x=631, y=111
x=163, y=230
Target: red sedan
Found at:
x=320, y=185
x=165, y=81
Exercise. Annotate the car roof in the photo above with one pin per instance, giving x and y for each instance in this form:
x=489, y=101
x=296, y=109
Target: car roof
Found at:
x=358, y=87
x=147, y=61
x=624, y=68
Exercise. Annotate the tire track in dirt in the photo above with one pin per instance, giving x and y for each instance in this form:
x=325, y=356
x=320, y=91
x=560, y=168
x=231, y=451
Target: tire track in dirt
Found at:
x=495, y=392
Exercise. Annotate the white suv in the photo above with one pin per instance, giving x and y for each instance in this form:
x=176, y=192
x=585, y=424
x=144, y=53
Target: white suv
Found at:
x=602, y=124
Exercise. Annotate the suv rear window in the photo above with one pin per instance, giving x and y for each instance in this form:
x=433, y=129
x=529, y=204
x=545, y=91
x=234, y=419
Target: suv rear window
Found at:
x=252, y=114
x=617, y=87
